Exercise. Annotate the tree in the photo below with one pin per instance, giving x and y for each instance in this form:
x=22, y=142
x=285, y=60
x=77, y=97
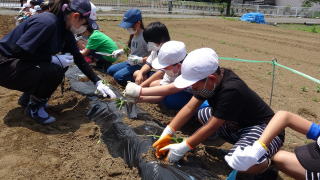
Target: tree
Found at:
x=228, y=2
x=309, y=3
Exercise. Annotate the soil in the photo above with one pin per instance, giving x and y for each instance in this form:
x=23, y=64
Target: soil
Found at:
x=70, y=148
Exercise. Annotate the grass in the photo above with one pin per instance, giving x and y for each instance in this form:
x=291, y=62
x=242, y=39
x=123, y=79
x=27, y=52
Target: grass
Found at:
x=301, y=27
x=231, y=18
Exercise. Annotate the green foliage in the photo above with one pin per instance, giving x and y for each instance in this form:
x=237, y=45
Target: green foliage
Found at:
x=315, y=99
x=318, y=89
x=301, y=27
x=174, y=139
x=309, y=3
x=304, y=89
x=120, y=102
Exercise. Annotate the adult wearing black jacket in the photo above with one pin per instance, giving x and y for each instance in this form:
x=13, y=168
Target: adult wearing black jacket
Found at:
x=35, y=55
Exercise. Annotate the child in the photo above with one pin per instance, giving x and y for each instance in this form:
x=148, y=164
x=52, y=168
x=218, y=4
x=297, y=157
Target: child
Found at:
x=123, y=72
x=155, y=35
x=239, y=115
x=303, y=164
x=99, y=42
x=169, y=59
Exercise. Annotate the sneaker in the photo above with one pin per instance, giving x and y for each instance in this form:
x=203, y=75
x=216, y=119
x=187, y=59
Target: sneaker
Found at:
x=36, y=110
x=24, y=99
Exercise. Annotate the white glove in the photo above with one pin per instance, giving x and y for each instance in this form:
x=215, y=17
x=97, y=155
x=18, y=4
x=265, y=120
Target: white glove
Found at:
x=117, y=53
x=134, y=60
x=132, y=90
x=105, y=90
x=176, y=151
x=242, y=160
x=63, y=60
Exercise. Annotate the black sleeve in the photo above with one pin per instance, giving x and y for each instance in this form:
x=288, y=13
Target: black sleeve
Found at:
x=71, y=46
x=199, y=97
x=36, y=34
x=228, y=105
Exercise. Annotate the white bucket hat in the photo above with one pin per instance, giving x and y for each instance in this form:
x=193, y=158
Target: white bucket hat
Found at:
x=198, y=65
x=171, y=52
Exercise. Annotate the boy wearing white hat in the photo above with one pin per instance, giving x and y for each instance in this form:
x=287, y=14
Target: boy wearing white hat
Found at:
x=238, y=114
x=169, y=59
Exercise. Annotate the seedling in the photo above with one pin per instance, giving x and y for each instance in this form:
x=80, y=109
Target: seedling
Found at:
x=120, y=102
x=126, y=50
x=176, y=140
x=304, y=89
x=318, y=89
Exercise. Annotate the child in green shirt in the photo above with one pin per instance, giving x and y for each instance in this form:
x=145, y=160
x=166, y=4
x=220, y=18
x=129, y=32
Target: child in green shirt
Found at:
x=99, y=42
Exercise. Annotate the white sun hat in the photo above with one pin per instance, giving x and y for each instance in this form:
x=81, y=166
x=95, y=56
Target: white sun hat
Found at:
x=171, y=52
x=198, y=65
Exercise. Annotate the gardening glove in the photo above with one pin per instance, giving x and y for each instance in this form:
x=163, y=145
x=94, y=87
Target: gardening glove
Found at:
x=176, y=151
x=132, y=90
x=63, y=60
x=242, y=160
x=163, y=141
x=134, y=60
x=105, y=90
x=117, y=53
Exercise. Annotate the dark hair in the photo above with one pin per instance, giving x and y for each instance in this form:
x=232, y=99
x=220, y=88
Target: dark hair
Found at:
x=156, y=32
x=131, y=35
x=90, y=29
x=45, y=5
x=55, y=6
x=218, y=71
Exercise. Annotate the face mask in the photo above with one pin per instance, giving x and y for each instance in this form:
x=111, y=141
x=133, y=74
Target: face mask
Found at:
x=171, y=73
x=153, y=46
x=79, y=30
x=131, y=31
x=205, y=93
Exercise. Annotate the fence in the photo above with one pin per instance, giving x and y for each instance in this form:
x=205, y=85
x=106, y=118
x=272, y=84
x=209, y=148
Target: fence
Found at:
x=192, y=7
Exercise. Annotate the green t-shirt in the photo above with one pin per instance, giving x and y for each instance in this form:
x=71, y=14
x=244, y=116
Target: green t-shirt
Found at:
x=100, y=42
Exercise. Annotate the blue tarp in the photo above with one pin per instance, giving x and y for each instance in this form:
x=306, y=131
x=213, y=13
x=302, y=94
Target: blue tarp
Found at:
x=253, y=17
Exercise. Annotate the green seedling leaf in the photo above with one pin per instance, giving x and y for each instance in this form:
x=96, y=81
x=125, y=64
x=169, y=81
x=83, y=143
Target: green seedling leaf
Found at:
x=176, y=140
x=120, y=102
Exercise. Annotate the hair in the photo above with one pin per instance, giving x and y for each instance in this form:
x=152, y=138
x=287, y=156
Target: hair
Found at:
x=55, y=6
x=156, y=32
x=90, y=30
x=131, y=35
x=218, y=71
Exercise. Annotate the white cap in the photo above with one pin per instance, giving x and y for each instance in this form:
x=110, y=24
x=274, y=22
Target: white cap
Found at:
x=171, y=52
x=198, y=65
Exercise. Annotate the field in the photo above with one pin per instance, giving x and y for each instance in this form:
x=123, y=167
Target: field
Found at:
x=70, y=148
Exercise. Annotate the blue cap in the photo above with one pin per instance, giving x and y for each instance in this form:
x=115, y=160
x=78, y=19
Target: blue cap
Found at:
x=87, y=10
x=130, y=18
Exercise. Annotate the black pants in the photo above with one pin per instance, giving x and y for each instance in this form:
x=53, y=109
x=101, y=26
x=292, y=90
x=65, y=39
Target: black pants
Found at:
x=40, y=79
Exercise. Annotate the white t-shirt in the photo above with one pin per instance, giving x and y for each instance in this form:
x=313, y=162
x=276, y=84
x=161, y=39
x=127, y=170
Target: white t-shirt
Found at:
x=153, y=55
x=170, y=79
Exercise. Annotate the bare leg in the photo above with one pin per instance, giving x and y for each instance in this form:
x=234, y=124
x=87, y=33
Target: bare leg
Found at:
x=288, y=163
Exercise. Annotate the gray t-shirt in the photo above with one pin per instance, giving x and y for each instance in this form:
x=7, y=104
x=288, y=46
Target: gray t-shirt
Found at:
x=139, y=46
